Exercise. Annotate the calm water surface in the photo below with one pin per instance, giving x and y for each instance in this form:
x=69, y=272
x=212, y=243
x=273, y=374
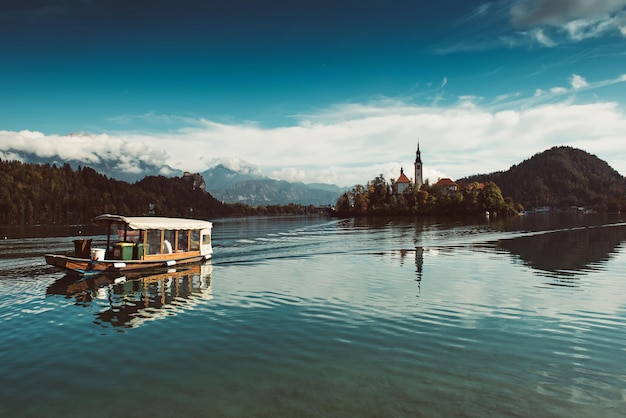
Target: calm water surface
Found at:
x=323, y=317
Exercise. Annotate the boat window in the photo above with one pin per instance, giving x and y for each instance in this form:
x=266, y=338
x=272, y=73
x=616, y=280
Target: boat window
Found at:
x=120, y=233
x=116, y=231
x=169, y=239
x=206, y=239
x=140, y=241
x=167, y=247
x=183, y=240
x=154, y=241
x=195, y=240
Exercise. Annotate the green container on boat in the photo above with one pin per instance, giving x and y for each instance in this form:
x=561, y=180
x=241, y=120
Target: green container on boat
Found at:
x=139, y=253
x=123, y=250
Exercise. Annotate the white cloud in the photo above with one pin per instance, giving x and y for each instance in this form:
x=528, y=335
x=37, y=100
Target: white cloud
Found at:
x=129, y=152
x=558, y=90
x=505, y=97
x=10, y=156
x=352, y=143
x=578, y=82
x=556, y=21
x=540, y=36
x=557, y=12
x=543, y=23
x=581, y=29
x=238, y=165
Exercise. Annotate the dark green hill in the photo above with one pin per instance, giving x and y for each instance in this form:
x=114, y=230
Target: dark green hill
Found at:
x=561, y=177
x=45, y=194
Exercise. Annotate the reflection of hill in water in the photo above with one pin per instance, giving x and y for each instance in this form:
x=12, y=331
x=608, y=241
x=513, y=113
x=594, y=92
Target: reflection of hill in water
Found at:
x=130, y=301
x=567, y=252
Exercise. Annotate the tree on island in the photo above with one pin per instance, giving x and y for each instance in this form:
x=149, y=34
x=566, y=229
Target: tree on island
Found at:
x=381, y=198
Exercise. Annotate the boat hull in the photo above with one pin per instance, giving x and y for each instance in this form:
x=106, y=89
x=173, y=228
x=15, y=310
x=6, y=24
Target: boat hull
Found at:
x=88, y=266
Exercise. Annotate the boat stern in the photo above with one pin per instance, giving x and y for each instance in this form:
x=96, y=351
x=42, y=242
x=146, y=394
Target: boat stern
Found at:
x=206, y=249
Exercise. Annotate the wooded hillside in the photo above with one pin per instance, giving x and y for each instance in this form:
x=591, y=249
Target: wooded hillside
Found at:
x=561, y=177
x=45, y=194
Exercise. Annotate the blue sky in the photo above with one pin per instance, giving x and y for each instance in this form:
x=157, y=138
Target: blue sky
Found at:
x=330, y=91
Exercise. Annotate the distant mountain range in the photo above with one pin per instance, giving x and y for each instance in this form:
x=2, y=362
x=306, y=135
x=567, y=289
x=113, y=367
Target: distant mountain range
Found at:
x=559, y=177
x=230, y=186
x=245, y=185
x=112, y=167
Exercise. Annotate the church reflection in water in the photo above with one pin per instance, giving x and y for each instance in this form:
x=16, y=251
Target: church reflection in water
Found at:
x=419, y=263
x=131, y=301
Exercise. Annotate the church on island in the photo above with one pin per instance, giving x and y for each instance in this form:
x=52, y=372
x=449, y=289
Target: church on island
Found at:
x=403, y=181
x=416, y=196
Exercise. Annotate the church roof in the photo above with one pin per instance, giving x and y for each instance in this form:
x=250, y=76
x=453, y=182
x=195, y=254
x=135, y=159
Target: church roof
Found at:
x=445, y=182
x=403, y=178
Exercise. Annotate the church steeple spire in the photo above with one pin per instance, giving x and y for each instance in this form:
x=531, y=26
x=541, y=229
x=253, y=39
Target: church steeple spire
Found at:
x=419, y=180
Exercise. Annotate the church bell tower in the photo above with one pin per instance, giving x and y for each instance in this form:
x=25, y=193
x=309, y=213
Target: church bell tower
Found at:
x=419, y=178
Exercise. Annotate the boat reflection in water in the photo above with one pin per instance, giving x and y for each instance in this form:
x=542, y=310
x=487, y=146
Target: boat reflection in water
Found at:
x=132, y=300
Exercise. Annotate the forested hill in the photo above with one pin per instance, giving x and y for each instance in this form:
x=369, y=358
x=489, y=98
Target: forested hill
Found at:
x=561, y=177
x=44, y=194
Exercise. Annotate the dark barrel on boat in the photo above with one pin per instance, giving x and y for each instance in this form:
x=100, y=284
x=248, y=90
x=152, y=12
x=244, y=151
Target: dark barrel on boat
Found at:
x=82, y=248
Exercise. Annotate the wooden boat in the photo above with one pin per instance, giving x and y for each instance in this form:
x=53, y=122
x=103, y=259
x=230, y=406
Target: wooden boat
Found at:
x=136, y=243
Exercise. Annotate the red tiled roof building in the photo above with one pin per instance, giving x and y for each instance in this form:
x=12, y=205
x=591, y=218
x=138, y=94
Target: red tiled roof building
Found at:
x=403, y=181
x=447, y=184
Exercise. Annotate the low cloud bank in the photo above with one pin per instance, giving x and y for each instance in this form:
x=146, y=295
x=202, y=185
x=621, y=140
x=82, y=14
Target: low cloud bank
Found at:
x=352, y=143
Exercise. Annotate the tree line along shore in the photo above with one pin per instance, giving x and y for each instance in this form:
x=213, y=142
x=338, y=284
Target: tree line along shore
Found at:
x=560, y=178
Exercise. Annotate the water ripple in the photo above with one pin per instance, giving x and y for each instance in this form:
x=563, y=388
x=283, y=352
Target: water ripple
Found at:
x=330, y=318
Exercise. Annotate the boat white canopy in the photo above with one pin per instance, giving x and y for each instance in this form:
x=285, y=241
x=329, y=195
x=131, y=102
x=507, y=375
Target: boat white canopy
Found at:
x=153, y=222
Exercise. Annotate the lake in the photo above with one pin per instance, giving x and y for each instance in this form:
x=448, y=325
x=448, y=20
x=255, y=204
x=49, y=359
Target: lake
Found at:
x=313, y=316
